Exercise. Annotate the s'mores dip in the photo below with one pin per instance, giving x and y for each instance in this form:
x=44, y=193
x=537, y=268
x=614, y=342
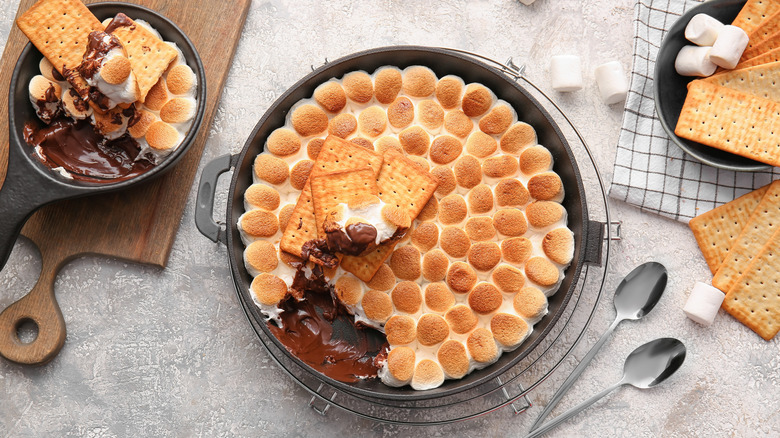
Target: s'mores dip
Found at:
x=419, y=206
x=113, y=98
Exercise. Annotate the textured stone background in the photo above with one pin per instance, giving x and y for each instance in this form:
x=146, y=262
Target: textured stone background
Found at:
x=168, y=352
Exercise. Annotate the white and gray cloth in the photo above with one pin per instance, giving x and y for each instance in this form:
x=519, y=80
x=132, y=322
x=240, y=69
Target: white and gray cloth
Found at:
x=650, y=171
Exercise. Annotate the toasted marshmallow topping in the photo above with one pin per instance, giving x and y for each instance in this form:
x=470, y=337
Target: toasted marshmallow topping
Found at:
x=370, y=214
x=45, y=97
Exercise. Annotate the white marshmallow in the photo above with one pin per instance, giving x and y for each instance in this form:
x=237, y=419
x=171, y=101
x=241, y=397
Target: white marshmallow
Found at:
x=694, y=61
x=729, y=46
x=565, y=72
x=703, y=303
x=612, y=82
x=703, y=30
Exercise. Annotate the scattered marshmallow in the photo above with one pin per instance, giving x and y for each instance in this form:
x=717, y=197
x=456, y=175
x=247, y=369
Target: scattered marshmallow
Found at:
x=612, y=82
x=566, y=73
x=729, y=46
x=703, y=30
x=703, y=303
x=694, y=61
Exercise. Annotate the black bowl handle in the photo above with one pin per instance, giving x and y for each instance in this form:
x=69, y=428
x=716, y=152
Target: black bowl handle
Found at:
x=23, y=191
x=204, y=208
x=594, y=242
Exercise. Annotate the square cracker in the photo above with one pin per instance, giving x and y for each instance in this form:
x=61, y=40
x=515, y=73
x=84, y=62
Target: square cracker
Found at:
x=331, y=189
x=149, y=56
x=765, y=58
x=336, y=154
x=754, y=298
x=757, y=231
x=716, y=230
x=765, y=30
x=760, y=80
x=402, y=183
x=757, y=49
x=59, y=29
x=755, y=13
x=731, y=120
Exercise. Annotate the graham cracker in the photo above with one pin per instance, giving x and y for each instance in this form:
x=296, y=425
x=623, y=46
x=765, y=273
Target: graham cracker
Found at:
x=754, y=298
x=364, y=267
x=716, y=230
x=336, y=154
x=731, y=120
x=149, y=56
x=768, y=44
x=766, y=29
x=755, y=13
x=59, y=30
x=402, y=183
x=760, y=80
x=757, y=231
x=764, y=58
x=333, y=188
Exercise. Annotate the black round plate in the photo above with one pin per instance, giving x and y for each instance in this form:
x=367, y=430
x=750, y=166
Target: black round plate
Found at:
x=670, y=88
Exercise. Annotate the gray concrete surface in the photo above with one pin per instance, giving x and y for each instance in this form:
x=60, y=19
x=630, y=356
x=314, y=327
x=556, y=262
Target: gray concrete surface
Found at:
x=154, y=352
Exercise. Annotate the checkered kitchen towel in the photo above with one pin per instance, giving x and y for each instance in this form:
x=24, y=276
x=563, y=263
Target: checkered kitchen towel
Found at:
x=650, y=171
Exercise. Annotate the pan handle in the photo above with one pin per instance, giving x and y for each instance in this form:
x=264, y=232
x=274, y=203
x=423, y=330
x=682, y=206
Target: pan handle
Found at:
x=23, y=191
x=594, y=242
x=204, y=208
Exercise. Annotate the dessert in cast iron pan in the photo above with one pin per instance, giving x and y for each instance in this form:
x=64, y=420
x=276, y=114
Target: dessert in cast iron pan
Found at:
x=29, y=184
x=588, y=234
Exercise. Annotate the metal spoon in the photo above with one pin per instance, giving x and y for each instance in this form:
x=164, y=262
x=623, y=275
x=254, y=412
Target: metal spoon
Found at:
x=634, y=298
x=645, y=367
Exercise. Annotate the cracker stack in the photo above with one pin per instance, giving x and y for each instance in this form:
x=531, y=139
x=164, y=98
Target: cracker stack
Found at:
x=740, y=241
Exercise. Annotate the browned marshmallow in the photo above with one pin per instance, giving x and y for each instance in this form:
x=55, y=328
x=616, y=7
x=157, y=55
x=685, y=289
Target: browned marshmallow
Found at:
x=510, y=192
x=457, y=123
x=452, y=209
x=331, y=96
x=377, y=305
x=480, y=144
x=157, y=96
x=348, y=289
x=558, y=245
x=445, y=149
x=387, y=84
x=500, y=167
x=480, y=199
x=434, y=265
x=508, y=278
x=483, y=256
x=400, y=113
x=261, y=255
x=477, y=100
x=517, y=137
x=542, y=214
x=429, y=211
x=372, y=121
x=78, y=109
x=438, y=297
x=541, y=271
x=386, y=142
x=259, y=223
x=446, y=180
x=516, y=249
x=481, y=345
x=545, y=186
x=535, y=159
x=269, y=289
x=427, y=374
x=453, y=359
x=419, y=81
x=116, y=70
x=181, y=79
x=430, y=114
x=414, y=140
x=383, y=280
x=159, y=136
x=142, y=125
x=314, y=147
x=485, y=299
x=358, y=86
x=448, y=91
x=425, y=236
x=461, y=319
x=508, y=329
x=363, y=142
x=497, y=120
x=461, y=278
x=400, y=363
x=455, y=242
x=283, y=142
x=308, y=120
x=480, y=228
x=407, y=297
x=300, y=174
x=285, y=214
x=510, y=222
x=400, y=330
x=262, y=196
x=343, y=125
x=468, y=171
x=405, y=263
x=432, y=329
x=271, y=169
x=530, y=303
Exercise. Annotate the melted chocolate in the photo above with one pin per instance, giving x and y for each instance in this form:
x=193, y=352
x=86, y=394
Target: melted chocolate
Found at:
x=317, y=249
x=56, y=75
x=42, y=105
x=87, y=155
x=318, y=331
x=354, y=240
x=79, y=103
x=119, y=21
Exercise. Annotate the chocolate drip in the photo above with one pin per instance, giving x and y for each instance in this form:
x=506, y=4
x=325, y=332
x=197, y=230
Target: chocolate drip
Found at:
x=79, y=103
x=98, y=45
x=56, y=75
x=317, y=249
x=119, y=21
x=87, y=155
x=354, y=240
x=42, y=106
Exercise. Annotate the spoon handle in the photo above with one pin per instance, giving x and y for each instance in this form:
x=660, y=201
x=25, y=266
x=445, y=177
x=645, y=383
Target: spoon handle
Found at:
x=574, y=375
x=571, y=412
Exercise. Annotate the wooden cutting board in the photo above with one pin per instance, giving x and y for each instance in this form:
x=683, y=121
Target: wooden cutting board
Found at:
x=138, y=224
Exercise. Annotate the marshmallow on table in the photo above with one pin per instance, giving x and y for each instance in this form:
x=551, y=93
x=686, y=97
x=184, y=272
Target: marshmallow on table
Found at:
x=729, y=46
x=703, y=30
x=566, y=73
x=703, y=303
x=612, y=82
x=694, y=61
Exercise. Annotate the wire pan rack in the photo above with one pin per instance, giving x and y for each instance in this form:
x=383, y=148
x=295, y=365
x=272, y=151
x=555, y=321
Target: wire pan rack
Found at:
x=512, y=387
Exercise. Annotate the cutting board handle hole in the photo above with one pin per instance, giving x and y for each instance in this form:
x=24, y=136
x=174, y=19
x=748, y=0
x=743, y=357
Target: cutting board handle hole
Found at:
x=27, y=330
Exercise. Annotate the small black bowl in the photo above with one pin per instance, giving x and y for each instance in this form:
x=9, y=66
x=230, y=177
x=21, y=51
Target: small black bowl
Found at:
x=670, y=88
x=29, y=184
